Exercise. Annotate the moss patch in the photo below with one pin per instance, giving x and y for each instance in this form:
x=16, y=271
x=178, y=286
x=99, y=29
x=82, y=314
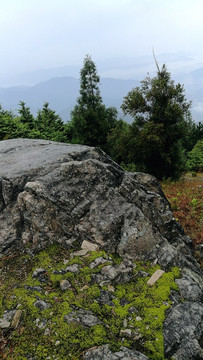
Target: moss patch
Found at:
x=134, y=307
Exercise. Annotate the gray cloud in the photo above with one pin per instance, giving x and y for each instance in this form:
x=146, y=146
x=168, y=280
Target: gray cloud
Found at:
x=50, y=33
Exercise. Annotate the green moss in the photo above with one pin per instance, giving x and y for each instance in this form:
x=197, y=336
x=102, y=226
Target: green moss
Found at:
x=75, y=260
x=94, y=255
x=135, y=306
x=99, y=334
x=149, y=304
x=116, y=259
x=176, y=272
x=121, y=311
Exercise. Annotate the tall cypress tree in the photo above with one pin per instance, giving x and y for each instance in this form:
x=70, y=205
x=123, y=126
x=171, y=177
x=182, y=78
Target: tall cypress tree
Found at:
x=91, y=121
x=89, y=90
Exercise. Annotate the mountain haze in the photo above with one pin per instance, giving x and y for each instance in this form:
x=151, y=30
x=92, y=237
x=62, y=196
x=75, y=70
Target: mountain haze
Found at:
x=60, y=86
x=62, y=93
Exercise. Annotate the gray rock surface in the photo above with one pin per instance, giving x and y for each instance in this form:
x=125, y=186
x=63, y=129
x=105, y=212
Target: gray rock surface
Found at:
x=83, y=317
x=5, y=321
x=4, y=324
x=52, y=192
x=104, y=353
x=72, y=268
x=119, y=273
x=38, y=272
x=190, y=289
x=41, y=305
x=183, y=330
x=34, y=288
x=105, y=298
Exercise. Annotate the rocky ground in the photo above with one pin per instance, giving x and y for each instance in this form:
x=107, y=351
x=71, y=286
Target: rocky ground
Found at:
x=93, y=262
x=59, y=304
x=89, y=305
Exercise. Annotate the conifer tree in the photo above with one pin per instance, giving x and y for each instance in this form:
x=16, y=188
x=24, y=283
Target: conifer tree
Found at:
x=91, y=121
x=49, y=124
x=25, y=115
x=161, y=114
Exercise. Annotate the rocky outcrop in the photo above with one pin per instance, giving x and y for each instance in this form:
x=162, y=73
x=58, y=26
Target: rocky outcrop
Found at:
x=69, y=193
x=52, y=192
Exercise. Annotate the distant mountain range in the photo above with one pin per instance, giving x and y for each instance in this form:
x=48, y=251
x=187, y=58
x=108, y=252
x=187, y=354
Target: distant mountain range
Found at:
x=123, y=67
x=62, y=91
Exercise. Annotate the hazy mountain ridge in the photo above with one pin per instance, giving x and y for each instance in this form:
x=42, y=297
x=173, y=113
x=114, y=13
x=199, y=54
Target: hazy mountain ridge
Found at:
x=123, y=67
x=62, y=94
x=62, y=91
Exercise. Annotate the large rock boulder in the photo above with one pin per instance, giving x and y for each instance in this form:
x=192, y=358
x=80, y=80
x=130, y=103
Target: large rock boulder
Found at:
x=53, y=192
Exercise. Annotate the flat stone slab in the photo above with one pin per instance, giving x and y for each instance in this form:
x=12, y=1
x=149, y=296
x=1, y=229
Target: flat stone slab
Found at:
x=78, y=253
x=156, y=276
x=87, y=245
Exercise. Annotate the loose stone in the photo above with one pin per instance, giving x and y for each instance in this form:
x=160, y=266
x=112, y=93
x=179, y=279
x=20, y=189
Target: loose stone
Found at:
x=65, y=284
x=38, y=272
x=72, y=268
x=111, y=288
x=83, y=317
x=126, y=332
x=156, y=276
x=109, y=271
x=98, y=261
x=78, y=253
x=87, y=245
x=42, y=305
x=4, y=324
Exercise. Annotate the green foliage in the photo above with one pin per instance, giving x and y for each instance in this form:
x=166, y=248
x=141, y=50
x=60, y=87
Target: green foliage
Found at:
x=160, y=141
x=117, y=141
x=10, y=126
x=91, y=120
x=195, y=157
x=160, y=113
x=25, y=115
x=47, y=125
x=129, y=167
x=192, y=134
x=50, y=125
x=194, y=203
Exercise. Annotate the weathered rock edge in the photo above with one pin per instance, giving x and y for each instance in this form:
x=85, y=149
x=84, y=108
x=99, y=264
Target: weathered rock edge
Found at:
x=53, y=192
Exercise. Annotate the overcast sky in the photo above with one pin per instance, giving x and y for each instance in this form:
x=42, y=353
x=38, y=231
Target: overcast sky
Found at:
x=37, y=34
